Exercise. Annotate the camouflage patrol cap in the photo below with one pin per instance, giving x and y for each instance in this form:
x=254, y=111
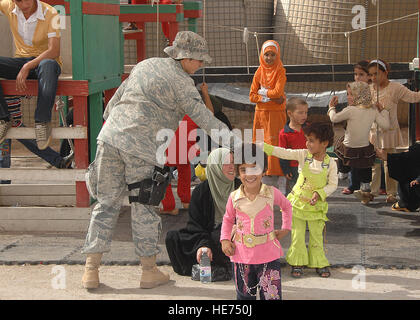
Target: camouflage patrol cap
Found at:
x=188, y=44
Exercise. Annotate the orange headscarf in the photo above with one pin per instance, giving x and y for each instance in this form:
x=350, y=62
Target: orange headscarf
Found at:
x=270, y=73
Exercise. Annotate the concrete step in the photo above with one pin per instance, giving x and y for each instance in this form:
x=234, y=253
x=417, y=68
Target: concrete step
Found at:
x=56, y=133
x=44, y=219
x=54, y=195
x=36, y=174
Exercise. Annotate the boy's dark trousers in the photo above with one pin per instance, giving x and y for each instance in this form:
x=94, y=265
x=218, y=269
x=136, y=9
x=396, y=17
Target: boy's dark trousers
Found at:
x=363, y=175
x=46, y=73
x=48, y=154
x=291, y=183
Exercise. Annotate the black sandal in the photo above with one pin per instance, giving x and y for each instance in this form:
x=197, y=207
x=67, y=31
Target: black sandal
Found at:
x=297, y=272
x=323, y=272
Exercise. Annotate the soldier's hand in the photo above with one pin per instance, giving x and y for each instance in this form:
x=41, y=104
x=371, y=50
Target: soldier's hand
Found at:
x=204, y=88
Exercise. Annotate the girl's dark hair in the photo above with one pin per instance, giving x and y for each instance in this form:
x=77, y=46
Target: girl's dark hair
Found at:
x=362, y=65
x=251, y=154
x=323, y=131
x=374, y=64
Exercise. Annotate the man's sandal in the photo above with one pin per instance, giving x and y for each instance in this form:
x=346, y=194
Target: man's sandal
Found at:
x=396, y=207
x=297, y=272
x=323, y=272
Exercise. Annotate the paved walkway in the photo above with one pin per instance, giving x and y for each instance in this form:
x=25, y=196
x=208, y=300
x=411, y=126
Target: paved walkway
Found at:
x=373, y=236
x=122, y=283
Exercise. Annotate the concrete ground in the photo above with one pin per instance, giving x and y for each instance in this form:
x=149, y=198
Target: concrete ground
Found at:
x=52, y=282
x=373, y=236
x=374, y=253
x=371, y=243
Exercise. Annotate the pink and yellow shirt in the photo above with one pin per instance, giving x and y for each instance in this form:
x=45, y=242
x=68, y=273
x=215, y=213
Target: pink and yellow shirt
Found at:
x=254, y=237
x=31, y=35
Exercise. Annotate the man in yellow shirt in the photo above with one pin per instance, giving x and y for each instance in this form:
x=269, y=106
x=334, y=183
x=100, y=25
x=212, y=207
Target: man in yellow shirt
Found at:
x=35, y=28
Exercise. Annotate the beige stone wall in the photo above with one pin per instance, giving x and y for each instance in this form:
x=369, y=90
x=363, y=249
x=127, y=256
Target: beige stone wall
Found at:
x=224, y=23
x=6, y=41
x=314, y=33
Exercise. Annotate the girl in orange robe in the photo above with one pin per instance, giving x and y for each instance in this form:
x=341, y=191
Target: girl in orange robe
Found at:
x=267, y=91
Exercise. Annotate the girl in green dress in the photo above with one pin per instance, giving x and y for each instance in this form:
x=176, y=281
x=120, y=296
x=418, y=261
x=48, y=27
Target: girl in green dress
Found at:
x=317, y=180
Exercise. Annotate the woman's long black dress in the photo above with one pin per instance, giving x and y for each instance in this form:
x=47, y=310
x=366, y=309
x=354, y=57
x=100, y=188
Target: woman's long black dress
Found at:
x=201, y=231
x=405, y=167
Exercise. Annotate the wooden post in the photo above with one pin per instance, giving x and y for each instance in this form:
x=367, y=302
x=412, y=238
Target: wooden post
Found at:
x=95, y=121
x=173, y=30
x=141, y=42
x=193, y=11
x=81, y=147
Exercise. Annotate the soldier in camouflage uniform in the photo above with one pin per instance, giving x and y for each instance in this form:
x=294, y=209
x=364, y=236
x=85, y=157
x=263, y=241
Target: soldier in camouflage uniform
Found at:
x=156, y=95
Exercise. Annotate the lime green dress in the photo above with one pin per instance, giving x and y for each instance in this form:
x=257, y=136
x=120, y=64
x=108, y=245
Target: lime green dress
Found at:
x=313, y=215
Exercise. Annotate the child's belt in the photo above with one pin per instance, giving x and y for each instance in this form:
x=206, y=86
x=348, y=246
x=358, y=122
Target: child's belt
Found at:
x=250, y=240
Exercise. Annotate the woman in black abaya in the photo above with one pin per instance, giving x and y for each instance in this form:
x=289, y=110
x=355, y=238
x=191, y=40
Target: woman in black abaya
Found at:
x=206, y=210
x=405, y=168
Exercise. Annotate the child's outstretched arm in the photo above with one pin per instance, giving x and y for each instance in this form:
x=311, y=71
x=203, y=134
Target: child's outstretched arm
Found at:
x=283, y=153
x=228, y=246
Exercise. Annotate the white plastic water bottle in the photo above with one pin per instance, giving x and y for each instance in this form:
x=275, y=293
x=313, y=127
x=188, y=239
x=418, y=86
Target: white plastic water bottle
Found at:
x=205, y=267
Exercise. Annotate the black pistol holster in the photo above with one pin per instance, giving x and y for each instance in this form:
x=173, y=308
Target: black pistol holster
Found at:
x=152, y=190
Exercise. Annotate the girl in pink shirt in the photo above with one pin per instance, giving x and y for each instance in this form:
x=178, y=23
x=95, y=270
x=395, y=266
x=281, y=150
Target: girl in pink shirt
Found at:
x=248, y=235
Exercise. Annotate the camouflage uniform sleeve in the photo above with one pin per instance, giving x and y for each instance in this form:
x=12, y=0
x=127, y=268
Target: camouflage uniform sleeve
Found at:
x=115, y=98
x=190, y=101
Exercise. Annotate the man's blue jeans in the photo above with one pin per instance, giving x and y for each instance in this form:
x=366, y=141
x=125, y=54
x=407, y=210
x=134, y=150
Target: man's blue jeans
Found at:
x=46, y=73
x=49, y=155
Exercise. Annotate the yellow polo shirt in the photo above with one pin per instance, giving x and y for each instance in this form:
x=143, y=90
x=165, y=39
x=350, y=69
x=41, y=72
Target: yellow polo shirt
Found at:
x=31, y=35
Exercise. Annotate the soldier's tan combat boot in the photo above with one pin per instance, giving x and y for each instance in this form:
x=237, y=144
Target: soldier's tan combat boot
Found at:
x=151, y=277
x=90, y=278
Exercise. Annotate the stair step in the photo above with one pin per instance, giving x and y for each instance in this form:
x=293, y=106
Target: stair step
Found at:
x=42, y=174
x=77, y=132
x=44, y=219
x=38, y=195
